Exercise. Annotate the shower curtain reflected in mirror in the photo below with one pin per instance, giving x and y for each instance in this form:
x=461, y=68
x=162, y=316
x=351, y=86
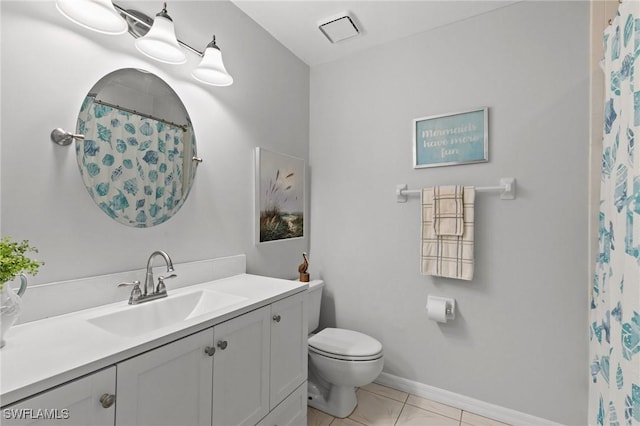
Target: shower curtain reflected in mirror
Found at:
x=614, y=349
x=133, y=165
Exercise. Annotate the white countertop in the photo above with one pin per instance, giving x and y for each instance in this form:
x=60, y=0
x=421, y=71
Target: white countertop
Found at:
x=46, y=353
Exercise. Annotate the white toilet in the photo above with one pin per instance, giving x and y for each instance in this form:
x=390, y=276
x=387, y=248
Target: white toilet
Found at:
x=339, y=361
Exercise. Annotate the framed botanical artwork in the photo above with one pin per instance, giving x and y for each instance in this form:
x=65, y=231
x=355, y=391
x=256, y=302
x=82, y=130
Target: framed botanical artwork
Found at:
x=279, y=202
x=451, y=139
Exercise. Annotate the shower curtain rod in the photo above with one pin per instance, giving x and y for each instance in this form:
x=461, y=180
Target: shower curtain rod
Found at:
x=133, y=111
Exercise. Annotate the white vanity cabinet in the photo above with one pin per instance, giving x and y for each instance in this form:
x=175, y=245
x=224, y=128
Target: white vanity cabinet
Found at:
x=245, y=364
x=218, y=376
x=234, y=373
x=85, y=401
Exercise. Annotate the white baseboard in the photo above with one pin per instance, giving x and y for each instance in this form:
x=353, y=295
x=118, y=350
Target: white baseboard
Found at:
x=462, y=402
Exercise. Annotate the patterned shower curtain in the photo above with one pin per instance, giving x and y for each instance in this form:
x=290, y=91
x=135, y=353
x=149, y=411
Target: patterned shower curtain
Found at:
x=131, y=165
x=614, y=394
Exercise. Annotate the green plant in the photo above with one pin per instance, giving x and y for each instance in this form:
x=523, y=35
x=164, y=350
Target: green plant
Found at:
x=13, y=260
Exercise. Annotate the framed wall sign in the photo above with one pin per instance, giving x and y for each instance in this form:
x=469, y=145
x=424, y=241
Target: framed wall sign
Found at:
x=451, y=139
x=279, y=199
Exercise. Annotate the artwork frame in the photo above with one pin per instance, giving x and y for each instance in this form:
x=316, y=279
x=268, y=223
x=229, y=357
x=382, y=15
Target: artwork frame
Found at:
x=280, y=206
x=451, y=139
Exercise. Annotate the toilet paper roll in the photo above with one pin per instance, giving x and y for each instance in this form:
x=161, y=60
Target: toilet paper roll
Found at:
x=439, y=308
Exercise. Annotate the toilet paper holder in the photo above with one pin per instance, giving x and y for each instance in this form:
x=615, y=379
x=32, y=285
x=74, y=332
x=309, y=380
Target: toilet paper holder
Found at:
x=441, y=309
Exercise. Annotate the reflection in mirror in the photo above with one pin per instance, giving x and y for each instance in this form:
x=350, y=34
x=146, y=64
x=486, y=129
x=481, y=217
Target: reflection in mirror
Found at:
x=136, y=159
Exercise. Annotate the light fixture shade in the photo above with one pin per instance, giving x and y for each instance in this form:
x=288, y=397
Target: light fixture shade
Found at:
x=96, y=15
x=211, y=69
x=160, y=42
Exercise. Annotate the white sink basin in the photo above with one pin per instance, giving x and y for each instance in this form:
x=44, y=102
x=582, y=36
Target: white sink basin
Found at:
x=135, y=320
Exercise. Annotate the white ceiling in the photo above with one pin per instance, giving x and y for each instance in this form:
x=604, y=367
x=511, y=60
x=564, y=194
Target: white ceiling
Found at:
x=295, y=22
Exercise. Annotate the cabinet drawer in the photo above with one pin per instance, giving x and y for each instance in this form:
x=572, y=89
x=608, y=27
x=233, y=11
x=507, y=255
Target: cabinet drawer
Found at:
x=291, y=412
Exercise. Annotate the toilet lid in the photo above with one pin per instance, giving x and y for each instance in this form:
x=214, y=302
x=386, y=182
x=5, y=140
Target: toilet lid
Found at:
x=345, y=343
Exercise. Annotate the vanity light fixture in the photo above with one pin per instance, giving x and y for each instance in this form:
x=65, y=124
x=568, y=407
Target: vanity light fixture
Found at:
x=160, y=43
x=211, y=69
x=96, y=15
x=155, y=38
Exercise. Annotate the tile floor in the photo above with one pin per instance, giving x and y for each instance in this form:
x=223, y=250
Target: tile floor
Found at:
x=383, y=406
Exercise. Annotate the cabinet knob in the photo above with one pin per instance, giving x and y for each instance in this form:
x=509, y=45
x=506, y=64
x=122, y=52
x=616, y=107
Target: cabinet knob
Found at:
x=209, y=350
x=277, y=318
x=107, y=400
x=222, y=344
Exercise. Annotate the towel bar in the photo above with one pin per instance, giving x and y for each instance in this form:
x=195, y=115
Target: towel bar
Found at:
x=507, y=190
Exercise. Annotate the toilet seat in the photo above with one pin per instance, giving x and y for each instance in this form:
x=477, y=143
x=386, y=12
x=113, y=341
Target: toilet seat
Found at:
x=347, y=345
x=345, y=358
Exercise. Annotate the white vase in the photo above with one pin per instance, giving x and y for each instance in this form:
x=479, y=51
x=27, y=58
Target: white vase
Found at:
x=10, y=306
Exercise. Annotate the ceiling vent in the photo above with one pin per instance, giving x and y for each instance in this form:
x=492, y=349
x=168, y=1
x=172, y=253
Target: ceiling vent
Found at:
x=339, y=29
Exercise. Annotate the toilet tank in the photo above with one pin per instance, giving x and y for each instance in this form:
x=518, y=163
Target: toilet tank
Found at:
x=313, y=303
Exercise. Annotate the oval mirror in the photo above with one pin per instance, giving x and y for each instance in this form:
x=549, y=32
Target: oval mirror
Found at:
x=138, y=158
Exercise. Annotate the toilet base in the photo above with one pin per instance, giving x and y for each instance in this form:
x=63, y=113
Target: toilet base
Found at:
x=338, y=401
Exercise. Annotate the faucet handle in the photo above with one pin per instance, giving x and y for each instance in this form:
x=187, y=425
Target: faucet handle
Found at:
x=136, y=293
x=161, y=287
x=133, y=283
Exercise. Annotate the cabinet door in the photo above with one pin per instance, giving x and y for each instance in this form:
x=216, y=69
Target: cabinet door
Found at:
x=241, y=369
x=288, y=346
x=170, y=385
x=74, y=403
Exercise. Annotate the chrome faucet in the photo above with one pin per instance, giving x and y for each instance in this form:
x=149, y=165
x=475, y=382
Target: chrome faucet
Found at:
x=150, y=292
x=148, y=281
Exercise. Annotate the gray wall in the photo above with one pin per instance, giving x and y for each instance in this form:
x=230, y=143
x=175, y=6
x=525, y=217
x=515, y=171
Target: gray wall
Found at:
x=48, y=66
x=520, y=336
